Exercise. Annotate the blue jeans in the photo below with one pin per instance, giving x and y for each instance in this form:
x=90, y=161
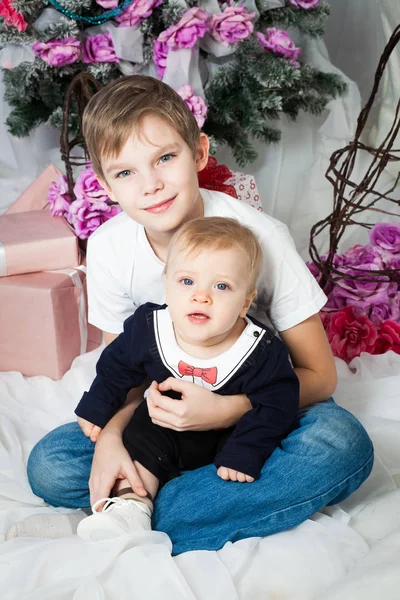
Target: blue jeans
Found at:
x=321, y=462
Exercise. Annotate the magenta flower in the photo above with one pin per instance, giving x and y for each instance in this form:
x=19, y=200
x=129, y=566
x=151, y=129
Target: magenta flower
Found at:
x=88, y=188
x=160, y=53
x=11, y=16
x=232, y=25
x=278, y=41
x=196, y=104
x=386, y=237
x=99, y=48
x=107, y=3
x=58, y=52
x=192, y=26
x=388, y=338
x=58, y=197
x=350, y=333
x=137, y=11
x=306, y=4
x=86, y=217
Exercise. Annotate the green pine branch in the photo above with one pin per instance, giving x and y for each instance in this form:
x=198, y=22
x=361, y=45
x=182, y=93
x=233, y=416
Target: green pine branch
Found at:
x=311, y=22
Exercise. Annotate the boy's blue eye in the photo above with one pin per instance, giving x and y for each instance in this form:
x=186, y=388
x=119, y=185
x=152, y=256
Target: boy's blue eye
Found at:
x=222, y=286
x=166, y=158
x=187, y=281
x=124, y=174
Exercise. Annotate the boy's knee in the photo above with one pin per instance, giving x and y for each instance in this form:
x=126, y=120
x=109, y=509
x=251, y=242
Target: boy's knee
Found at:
x=337, y=430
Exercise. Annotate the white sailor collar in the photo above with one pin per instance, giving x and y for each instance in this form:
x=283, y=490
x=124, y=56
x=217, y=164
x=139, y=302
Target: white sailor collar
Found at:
x=211, y=373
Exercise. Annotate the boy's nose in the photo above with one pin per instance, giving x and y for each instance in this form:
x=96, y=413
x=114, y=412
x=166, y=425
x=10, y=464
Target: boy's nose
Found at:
x=151, y=185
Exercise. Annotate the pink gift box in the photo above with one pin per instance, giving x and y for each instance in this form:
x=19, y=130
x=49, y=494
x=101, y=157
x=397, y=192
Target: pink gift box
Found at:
x=43, y=322
x=35, y=196
x=36, y=241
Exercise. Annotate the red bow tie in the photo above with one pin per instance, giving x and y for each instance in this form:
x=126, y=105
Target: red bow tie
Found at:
x=209, y=375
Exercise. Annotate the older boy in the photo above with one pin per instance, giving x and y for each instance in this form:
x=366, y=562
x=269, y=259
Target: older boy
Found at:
x=146, y=149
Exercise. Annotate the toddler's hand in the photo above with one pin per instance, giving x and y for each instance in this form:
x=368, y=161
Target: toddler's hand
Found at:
x=232, y=475
x=89, y=429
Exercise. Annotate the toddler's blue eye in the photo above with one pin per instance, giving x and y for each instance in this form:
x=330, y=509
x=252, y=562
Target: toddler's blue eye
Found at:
x=187, y=281
x=222, y=286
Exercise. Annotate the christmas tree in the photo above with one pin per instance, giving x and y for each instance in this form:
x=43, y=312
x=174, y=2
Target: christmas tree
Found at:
x=238, y=65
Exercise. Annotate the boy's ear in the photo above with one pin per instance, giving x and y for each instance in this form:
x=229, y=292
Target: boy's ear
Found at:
x=203, y=149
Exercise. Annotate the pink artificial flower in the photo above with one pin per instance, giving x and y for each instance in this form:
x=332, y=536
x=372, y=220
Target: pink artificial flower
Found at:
x=137, y=11
x=278, y=41
x=160, y=53
x=58, y=197
x=232, y=25
x=99, y=48
x=11, y=16
x=386, y=238
x=58, y=52
x=388, y=338
x=350, y=333
x=196, y=104
x=88, y=188
x=192, y=26
x=306, y=4
x=107, y=3
x=86, y=217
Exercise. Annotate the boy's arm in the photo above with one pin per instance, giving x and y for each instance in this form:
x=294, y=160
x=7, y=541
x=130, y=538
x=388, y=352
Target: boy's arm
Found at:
x=312, y=359
x=273, y=389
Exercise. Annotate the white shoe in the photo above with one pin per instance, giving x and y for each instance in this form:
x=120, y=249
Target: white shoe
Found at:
x=118, y=517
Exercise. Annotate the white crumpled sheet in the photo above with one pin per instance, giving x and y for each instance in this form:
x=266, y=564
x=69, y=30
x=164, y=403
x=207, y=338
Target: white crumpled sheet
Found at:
x=351, y=551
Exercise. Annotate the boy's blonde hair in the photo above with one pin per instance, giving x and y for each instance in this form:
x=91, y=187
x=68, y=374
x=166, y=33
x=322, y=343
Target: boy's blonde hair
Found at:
x=219, y=233
x=118, y=109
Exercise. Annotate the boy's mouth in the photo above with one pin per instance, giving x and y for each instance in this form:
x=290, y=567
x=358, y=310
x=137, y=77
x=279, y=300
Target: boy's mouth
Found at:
x=198, y=318
x=160, y=207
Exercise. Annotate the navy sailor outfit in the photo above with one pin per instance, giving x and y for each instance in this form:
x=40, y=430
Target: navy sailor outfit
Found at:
x=257, y=365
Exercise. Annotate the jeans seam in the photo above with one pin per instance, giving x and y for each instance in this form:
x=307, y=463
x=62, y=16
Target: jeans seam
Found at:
x=310, y=499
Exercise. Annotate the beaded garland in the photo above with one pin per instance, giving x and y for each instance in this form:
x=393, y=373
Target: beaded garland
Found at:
x=106, y=16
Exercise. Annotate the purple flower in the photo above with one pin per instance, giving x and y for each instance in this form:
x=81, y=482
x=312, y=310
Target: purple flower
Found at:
x=99, y=48
x=306, y=4
x=160, y=53
x=107, y=3
x=232, y=25
x=88, y=188
x=137, y=11
x=58, y=197
x=386, y=237
x=362, y=293
x=86, y=217
x=363, y=255
x=382, y=312
x=58, y=52
x=278, y=41
x=192, y=26
x=196, y=104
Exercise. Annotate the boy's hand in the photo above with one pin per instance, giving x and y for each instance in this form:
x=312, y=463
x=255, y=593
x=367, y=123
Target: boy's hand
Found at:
x=89, y=429
x=232, y=475
x=198, y=409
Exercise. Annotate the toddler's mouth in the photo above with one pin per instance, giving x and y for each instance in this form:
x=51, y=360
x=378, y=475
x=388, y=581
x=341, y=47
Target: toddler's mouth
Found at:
x=198, y=318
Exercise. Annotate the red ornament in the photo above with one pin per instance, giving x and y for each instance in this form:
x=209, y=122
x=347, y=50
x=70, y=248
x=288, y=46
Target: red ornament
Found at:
x=213, y=177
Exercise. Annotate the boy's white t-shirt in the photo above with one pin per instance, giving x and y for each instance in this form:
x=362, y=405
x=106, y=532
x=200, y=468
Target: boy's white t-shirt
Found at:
x=123, y=272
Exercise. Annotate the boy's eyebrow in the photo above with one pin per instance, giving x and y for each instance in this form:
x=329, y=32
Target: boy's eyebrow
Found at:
x=160, y=150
